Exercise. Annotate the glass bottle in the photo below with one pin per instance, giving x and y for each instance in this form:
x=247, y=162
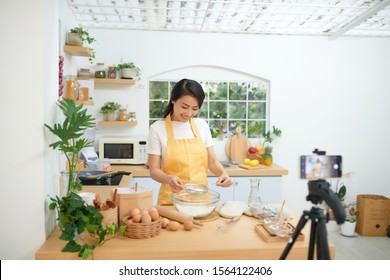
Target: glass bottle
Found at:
x=254, y=198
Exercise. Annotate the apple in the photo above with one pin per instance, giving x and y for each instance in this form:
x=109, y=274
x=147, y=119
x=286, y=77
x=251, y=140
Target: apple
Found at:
x=252, y=150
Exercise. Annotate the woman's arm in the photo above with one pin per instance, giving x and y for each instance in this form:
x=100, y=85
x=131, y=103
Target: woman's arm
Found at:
x=216, y=167
x=158, y=175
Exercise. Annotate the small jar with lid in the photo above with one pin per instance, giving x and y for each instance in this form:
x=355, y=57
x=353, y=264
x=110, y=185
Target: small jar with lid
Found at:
x=84, y=74
x=100, y=71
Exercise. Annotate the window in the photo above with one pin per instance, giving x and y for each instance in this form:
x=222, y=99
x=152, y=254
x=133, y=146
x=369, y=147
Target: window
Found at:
x=227, y=104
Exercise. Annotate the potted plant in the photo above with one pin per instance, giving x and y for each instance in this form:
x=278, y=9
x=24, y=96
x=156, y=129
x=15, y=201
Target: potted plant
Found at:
x=75, y=217
x=348, y=227
x=78, y=36
x=128, y=70
x=109, y=109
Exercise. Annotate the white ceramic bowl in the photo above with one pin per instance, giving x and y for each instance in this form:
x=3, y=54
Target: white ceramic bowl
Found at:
x=197, y=206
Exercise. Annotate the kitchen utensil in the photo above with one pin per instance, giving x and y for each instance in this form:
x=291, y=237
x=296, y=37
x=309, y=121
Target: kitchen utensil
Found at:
x=224, y=226
x=247, y=166
x=196, y=189
x=176, y=216
x=93, y=176
x=197, y=206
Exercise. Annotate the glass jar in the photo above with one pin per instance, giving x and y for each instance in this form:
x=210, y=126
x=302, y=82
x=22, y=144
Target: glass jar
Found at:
x=71, y=87
x=100, y=71
x=254, y=198
x=84, y=73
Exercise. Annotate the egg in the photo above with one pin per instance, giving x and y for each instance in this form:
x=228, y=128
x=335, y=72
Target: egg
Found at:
x=137, y=218
x=165, y=222
x=152, y=209
x=144, y=212
x=188, y=225
x=145, y=219
x=154, y=215
x=173, y=226
x=135, y=211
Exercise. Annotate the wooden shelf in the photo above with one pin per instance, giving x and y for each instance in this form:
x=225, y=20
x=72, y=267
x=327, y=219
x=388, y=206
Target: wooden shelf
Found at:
x=118, y=123
x=114, y=81
x=90, y=102
x=77, y=50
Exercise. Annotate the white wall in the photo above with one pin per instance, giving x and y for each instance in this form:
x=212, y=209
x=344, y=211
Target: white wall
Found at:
x=325, y=94
x=28, y=78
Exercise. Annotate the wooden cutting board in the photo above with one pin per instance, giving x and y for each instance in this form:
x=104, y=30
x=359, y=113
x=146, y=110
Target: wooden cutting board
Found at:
x=237, y=148
x=246, y=166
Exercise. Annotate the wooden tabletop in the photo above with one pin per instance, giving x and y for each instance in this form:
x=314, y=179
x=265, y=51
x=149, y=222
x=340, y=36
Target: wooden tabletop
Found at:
x=240, y=242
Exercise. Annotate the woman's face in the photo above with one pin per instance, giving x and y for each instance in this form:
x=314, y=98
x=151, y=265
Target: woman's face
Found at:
x=185, y=108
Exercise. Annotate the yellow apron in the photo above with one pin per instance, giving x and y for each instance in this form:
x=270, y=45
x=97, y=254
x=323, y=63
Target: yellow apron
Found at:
x=185, y=158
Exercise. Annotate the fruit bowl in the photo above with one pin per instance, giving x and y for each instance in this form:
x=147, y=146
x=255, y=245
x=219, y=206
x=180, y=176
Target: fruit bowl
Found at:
x=196, y=206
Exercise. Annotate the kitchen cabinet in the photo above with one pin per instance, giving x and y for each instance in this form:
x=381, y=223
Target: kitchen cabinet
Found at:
x=270, y=189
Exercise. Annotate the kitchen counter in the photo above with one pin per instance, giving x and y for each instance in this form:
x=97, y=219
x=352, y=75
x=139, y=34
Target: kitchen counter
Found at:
x=274, y=174
x=240, y=242
x=232, y=170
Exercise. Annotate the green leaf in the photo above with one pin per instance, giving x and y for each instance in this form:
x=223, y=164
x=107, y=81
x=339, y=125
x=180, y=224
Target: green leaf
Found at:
x=342, y=192
x=86, y=251
x=71, y=246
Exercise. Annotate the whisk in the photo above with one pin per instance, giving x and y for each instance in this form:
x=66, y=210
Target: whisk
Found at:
x=224, y=226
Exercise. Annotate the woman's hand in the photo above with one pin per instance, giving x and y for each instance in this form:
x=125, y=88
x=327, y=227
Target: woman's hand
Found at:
x=176, y=184
x=224, y=180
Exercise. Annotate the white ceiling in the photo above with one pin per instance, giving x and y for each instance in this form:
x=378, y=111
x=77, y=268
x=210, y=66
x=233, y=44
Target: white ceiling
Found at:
x=332, y=18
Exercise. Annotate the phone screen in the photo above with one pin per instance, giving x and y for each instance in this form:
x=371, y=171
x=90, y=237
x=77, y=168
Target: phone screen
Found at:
x=321, y=166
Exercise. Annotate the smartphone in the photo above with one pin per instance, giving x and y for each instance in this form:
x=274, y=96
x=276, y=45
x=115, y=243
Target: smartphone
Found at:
x=321, y=166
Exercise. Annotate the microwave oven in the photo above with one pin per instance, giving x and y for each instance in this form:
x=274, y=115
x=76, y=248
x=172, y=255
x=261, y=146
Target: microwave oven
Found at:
x=123, y=150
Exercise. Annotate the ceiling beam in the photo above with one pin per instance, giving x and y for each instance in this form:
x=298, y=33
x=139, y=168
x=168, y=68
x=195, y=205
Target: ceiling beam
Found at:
x=360, y=19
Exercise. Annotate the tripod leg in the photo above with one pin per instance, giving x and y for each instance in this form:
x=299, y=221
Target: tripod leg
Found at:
x=313, y=233
x=322, y=241
x=298, y=229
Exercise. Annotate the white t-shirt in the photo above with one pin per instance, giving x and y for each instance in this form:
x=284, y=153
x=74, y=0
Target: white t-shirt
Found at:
x=158, y=138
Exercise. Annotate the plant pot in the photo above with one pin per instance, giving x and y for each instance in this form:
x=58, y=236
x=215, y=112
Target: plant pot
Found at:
x=110, y=116
x=127, y=73
x=348, y=228
x=73, y=39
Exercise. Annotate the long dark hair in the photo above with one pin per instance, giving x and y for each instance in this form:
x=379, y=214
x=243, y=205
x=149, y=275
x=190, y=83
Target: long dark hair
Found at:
x=182, y=88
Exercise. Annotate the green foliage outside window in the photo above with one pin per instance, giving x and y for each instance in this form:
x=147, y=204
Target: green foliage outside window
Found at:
x=226, y=105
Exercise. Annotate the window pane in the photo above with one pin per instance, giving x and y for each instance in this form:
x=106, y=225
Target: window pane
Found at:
x=203, y=113
x=156, y=109
x=257, y=91
x=217, y=127
x=237, y=110
x=158, y=90
x=237, y=91
x=217, y=91
x=255, y=128
x=206, y=91
x=233, y=125
x=218, y=110
x=256, y=110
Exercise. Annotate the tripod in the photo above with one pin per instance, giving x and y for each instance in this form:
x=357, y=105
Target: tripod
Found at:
x=318, y=234
x=318, y=191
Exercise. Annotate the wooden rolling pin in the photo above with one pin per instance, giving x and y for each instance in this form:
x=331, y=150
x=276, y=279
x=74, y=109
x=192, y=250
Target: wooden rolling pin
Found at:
x=176, y=216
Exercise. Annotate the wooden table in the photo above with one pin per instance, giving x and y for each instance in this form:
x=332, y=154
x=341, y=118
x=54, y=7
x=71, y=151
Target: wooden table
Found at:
x=240, y=242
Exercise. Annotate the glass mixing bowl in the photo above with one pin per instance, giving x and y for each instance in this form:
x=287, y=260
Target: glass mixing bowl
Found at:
x=197, y=206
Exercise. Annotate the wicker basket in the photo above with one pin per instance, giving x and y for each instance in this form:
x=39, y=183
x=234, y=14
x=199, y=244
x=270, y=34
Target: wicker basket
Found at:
x=142, y=230
x=110, y=217
x=256, y=156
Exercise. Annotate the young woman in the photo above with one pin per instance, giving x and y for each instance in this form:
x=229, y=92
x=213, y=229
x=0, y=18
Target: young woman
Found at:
x=180, y=147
